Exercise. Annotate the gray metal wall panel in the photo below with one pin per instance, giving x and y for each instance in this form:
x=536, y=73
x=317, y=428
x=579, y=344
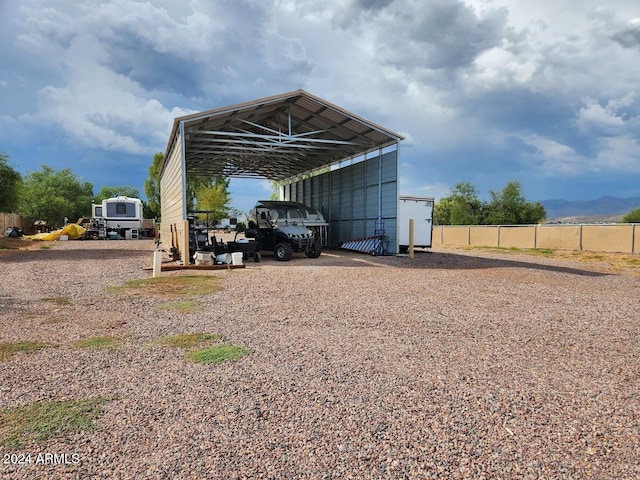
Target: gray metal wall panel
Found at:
x=358, y=228
x=373, y=171
x=334, y=233
x=307, y=191
x=358, y=203
x=389, y=170
x=372, y=201
x=351, y=198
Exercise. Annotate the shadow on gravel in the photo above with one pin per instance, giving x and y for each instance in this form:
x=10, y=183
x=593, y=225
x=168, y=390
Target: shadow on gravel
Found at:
x=442, y=261
x=80, y=254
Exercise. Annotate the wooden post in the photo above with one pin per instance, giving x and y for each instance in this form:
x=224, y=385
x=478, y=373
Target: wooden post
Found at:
x=157, y=263
x=184, y=247
x=411, y=222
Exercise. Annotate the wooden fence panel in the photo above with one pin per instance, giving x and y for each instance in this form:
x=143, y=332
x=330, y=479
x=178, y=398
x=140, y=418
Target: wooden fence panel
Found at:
x=14, y=220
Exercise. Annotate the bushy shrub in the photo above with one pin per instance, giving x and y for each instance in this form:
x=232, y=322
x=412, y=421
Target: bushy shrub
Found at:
x=632, y=217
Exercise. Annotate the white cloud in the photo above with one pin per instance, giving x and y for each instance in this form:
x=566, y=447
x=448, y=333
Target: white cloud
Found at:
x=455, y=77
x=551, y=157
x=594, y=118
x=621, y=153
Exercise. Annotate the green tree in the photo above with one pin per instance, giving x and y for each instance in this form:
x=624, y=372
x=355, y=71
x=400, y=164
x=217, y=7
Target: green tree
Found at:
x=509, y=207
x=10, y=182
x=53, y=195
x=442, y=212
x=632, y=217
x=110, y=192
x=461, y=207
x=152, y=187
x=275, y=186
x=213, y=196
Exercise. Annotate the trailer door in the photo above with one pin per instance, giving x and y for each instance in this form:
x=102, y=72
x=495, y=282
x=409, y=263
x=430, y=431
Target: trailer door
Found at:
x=420, y=209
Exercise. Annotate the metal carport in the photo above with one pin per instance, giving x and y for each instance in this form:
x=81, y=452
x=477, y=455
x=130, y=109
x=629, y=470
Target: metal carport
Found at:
x=297, y=139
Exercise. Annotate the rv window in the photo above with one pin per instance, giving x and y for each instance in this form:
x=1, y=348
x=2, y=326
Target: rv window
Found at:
x=98, y=212
x=121, y=208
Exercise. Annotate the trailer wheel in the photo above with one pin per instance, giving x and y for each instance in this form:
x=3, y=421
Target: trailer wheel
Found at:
x=283, y=252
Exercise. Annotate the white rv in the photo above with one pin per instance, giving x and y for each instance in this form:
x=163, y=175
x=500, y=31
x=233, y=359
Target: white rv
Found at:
x=122, y=215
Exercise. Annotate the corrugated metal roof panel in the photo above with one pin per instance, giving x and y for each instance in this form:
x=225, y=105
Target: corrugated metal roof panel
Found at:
x=276, y=137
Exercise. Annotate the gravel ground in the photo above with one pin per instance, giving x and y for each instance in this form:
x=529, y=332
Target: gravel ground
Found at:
x=456, y=364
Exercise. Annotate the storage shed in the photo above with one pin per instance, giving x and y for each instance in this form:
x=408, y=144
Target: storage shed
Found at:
x=323, y=156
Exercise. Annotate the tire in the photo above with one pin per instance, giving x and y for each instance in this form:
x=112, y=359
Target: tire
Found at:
x=283, y=252
x=256, y=257
x=314, y=251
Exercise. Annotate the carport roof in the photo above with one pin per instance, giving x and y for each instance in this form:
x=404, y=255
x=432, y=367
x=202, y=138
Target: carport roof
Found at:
x=275, y=137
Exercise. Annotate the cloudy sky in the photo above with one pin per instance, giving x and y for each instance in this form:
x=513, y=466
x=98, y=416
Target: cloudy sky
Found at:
x=485, y=91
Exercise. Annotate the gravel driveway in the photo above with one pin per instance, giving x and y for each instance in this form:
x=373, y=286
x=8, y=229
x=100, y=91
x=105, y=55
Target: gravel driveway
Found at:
x=456, y=364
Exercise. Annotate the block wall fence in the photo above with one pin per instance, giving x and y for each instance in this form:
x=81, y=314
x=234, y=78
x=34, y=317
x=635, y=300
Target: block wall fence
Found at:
x=621, y=238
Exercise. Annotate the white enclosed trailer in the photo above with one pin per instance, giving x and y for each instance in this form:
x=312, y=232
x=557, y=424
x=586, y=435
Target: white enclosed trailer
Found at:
x=420, y=209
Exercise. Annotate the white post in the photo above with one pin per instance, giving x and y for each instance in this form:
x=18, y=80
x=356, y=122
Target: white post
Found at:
x=157, y=263
x=411, y=222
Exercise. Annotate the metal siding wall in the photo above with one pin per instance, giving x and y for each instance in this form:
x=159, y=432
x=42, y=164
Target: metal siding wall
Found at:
x=373, y=166
x=373, y=192
x=307, y=191
x=334, y=208
x=315, y=199
x=346, y=185
x=172, y=196
x=350, y=198
x=389, y=202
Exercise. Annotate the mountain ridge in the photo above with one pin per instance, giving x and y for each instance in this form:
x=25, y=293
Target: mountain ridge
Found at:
x=607, y=206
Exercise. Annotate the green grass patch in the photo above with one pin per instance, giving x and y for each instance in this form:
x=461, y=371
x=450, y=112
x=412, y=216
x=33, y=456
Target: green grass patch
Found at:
x=182, y=306
x=27, y=346
x=217, y=354
x=53, y=321
x=174, y=286
x=42, y=420
x=99, y=343
x=547, y=252
x=59, y=300
x=186, y=340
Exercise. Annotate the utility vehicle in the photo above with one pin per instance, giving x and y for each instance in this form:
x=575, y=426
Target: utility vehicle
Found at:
x=287, y=227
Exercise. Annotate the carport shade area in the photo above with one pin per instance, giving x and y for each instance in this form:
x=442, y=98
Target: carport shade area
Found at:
x=283, y=138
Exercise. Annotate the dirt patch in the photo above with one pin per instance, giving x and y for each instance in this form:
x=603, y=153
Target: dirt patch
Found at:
x=10, y=245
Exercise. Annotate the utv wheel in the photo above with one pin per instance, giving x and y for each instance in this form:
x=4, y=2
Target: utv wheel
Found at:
x=283, y=252
x=314, y=251
x=256, y=257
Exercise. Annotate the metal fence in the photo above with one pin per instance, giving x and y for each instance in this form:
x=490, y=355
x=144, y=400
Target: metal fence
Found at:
x=623, y=238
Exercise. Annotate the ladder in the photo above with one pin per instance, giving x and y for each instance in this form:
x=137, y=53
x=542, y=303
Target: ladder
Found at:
x=134, y=234
x=376, y=245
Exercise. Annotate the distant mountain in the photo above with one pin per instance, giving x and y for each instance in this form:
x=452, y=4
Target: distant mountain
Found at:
x=604, y=206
